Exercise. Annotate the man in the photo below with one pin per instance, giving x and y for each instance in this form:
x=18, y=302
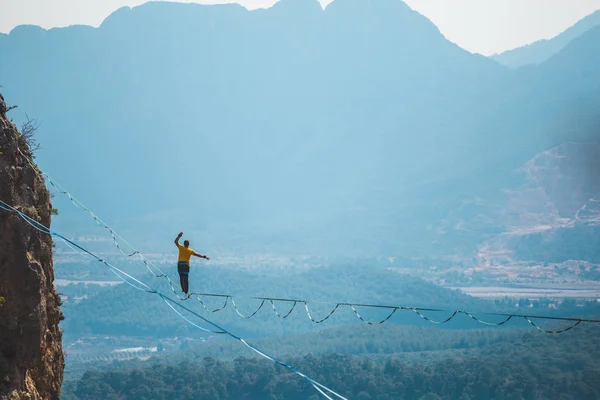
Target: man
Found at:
x=183, y=261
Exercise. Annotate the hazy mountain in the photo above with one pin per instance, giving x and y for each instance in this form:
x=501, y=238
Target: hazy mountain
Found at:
x=554, y=216
x=289, y=129
x=541, y=50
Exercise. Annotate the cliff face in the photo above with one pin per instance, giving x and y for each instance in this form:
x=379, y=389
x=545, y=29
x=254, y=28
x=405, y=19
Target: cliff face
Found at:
x=31, y=358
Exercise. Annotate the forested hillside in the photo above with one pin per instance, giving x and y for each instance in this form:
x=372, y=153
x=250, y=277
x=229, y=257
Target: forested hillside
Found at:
x=529, y=366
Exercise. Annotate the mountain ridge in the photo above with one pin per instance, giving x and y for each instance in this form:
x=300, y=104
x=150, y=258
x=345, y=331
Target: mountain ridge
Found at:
x=330, y=133
x=541, y=50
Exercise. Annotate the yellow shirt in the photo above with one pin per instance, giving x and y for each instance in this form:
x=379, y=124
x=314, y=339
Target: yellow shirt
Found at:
x=184, y=253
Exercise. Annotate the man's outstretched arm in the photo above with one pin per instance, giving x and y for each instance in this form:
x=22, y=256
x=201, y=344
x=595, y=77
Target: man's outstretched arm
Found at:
x=201, y=256
x=177, y=239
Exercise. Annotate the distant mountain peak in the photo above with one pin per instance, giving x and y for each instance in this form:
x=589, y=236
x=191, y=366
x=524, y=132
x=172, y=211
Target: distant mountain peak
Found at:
x=394, y=16
x=26, y=30
x=161, y=10
x=116, y=16
x=395, y=7
x=298, y=5
x=542, y=50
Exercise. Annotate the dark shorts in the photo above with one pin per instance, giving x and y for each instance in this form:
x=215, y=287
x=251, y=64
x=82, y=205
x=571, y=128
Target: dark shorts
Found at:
x=183, y=267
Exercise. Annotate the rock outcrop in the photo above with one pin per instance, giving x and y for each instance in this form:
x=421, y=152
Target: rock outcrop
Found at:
x=31, y=357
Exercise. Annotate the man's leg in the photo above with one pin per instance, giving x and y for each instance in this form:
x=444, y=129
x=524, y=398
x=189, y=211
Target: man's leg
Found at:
x=186, y=283
x=182, y=281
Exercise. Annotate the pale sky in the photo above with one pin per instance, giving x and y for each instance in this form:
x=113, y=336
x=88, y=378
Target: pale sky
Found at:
x=480, y=26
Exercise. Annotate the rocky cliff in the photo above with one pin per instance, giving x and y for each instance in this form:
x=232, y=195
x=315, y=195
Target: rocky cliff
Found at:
x=31, y=357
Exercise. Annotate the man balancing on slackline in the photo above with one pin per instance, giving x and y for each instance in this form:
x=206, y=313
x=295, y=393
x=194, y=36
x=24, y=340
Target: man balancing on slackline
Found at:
x=183, y=261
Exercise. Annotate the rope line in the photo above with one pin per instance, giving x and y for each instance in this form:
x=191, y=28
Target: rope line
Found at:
x=286, y=315
x=38, y=226
x=262, y=303
x=149, y=265
x=434, y=321
x=417, y=310
x=508, y=318
x=321, y=320
x=372, y=323
x=553, y=332
x=216, y=309
x=170, y=302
